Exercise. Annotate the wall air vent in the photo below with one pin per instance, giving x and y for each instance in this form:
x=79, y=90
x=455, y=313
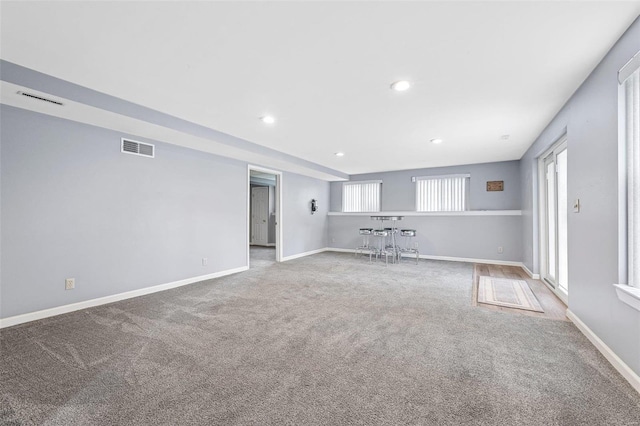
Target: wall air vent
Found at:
x=138, y=148
x=40, y=98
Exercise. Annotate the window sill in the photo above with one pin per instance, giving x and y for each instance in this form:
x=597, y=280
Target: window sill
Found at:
x=414, y=213
x=629, y=295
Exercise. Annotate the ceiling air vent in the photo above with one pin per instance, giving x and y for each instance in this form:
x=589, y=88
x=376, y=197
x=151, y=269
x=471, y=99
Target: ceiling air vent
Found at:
x=40, y=98
x=138, y=148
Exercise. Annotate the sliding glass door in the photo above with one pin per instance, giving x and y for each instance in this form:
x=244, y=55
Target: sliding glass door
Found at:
x=553, y=167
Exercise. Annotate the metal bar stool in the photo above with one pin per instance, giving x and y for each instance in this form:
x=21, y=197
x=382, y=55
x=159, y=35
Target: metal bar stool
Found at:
x=392, y=244
x=408, y=235
x=382, y=235
x=388, y=248
x=365, y=247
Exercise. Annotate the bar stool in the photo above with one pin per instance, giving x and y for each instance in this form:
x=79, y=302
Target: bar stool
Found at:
x=365, y=247
x=408, y=235
x=392, y=245
x=382, y=235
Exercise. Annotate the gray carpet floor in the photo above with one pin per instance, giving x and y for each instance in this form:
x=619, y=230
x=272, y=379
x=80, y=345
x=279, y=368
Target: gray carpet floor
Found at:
x=327, y=339
x=261, y=257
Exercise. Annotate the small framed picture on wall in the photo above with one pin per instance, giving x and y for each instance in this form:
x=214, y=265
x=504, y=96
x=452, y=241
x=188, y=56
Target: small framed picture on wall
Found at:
x=495, y=185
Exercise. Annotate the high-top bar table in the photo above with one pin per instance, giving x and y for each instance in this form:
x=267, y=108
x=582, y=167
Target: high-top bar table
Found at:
x=395, y=250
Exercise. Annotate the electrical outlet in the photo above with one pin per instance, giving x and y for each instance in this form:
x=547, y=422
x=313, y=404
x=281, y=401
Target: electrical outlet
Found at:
x=205, y=261
x=333, y=240
x=69, y=283
x=500, y=250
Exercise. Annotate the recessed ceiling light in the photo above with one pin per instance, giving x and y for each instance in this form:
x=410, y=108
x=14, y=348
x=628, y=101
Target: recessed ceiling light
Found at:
x=437, y=140
x=339, y=154
x=269, y=119
x=400, y=86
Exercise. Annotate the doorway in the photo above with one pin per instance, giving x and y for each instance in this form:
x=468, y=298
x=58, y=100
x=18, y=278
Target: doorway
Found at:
x=262, y=214
x=553, y=219
x=264, y=217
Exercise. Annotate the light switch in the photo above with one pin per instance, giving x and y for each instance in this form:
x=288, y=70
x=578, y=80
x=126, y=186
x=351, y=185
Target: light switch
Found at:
x=576, y=205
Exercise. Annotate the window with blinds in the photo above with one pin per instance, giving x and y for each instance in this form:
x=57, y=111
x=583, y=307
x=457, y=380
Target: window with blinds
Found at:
x=631, y=86
x=441, y=193
x=361, y=196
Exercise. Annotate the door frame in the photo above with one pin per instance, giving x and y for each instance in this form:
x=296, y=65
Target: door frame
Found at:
x=278, y=204
x=560, y=144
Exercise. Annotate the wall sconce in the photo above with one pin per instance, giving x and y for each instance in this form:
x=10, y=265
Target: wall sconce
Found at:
x=314, y=206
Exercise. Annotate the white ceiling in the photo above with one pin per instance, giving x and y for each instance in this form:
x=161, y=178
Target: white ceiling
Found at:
x=129, y=126
x=480, y=70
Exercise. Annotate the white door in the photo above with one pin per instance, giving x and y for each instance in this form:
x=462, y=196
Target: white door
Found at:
x=259, y=215
x=555, y=266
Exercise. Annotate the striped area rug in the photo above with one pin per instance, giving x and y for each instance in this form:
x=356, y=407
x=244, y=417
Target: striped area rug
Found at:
x=507, y=292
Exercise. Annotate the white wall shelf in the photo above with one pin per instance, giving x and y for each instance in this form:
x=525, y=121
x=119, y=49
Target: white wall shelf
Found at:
x=413, y=213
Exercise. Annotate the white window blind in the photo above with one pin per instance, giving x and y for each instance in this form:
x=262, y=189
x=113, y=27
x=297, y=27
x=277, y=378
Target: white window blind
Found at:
x=361, y=196
x=632, y=140
x=441, y=193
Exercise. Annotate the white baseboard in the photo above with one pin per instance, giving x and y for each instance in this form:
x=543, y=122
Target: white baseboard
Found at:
x=448, y=258
x=306, y=253
x=45, y=313
x=472, y=260
x=618, y=364
x=340, y=250
x=528, y=271
x=458, y=259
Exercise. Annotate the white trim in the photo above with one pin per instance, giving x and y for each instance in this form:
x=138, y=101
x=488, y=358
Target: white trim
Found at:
x=462, y=175
x=456, y=259
x=472, y=260
x=623, y=255
x=58, y=310
x=414, y=213
x=629, y=295
x=616, y=362
x=279, y=203
x=564, y=297
x=528, y=272
x=629, y=68
x=447, y=258
x=542, y=215
x=306, y=253
x=341, y=250
x=560, y=144
x=358, y=182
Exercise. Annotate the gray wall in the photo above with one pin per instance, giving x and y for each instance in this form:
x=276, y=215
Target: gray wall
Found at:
x=74, y=206
x=475, y=237
x=302, y=230
x=590, y=118
x=398, y=192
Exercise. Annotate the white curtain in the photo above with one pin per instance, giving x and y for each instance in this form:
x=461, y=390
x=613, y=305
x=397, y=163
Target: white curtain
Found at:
x=361, y=197
x=441, y=194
